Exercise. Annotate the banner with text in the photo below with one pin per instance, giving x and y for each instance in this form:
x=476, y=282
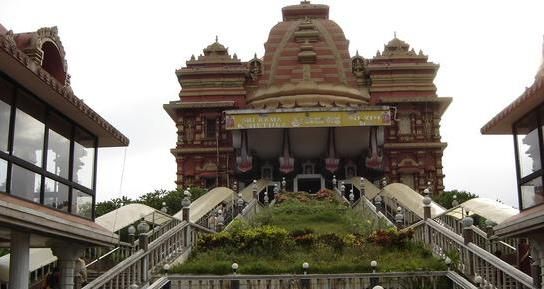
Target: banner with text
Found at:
x=296, y=119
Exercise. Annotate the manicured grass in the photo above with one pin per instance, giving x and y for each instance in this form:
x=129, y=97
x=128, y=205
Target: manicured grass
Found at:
x=320, y=216
x=329, y=236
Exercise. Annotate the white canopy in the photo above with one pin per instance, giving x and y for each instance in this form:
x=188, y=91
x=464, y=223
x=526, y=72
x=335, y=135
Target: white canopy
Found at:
x=207, y=202
x=410, y=199
x=487, y=208
x=38, y=258
x=128, y=215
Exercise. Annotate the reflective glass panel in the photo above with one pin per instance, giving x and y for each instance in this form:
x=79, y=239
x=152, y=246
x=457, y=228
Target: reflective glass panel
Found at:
x=82, y=204
x=58, y=146
x=6, y=92
x=29, y=129
x=55, y=195
x=532, y=193
x=83, y=158
x=528, y=145
x=25, y=184
x=3, y=175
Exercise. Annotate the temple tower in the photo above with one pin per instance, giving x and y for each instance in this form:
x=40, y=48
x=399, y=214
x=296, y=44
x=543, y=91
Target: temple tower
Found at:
x=403, y=79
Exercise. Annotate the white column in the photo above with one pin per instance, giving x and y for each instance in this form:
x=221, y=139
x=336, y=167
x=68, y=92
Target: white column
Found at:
x=19, y=259
x=67, y=255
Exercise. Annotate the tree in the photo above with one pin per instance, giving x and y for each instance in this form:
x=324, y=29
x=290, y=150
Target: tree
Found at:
x=153, y=199
x=446, y=198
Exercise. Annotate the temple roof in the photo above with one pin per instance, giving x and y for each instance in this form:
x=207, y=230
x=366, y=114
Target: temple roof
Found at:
x=305, y=10
x=307, y=63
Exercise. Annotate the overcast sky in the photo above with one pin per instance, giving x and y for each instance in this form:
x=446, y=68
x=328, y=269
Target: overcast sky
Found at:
x=122, y=56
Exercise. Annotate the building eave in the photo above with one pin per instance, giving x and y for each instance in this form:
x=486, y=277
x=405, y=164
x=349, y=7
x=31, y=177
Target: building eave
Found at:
x=503, y=122
x=51, y=224
x=174, y=106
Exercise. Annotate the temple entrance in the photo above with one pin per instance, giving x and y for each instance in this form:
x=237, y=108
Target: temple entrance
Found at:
x=311, y=183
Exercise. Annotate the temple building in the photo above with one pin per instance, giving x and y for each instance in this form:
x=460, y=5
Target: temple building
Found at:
x=49, y=142
x=308, y=110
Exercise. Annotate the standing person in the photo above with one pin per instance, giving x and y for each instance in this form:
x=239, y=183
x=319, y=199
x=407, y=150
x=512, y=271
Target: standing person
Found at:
x=80, y=273
x=52, y=280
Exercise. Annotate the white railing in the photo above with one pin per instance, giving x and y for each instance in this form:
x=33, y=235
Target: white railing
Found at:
x=469, y=259
x=407, y=280
x=137, y=268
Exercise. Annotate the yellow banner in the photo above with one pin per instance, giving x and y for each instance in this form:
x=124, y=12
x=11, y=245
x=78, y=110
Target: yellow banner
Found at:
x=296, y=119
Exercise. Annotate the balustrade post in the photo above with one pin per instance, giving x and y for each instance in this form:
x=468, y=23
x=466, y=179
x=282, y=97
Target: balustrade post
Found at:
x=143, y=229
x=468, y=237
x=426, y=216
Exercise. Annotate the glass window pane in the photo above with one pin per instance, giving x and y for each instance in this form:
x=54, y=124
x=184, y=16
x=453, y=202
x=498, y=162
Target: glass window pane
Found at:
x=83, y=158
x=6, y=93
x=55, y=195
x=58, y=146
x=29, y=129
x=532, y=193
x=528, y=146
x=82, y=204
x=25, y=184
x=3, y=175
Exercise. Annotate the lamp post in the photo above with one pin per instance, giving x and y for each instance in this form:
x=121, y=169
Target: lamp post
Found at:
x=374, y=281
x=454, y=203
x=305, y=282
x=131, y=233
x=166, y=269
x=478, y=281
x=185, y=204
x=374, y=265
x=255, y=189
x=305, y=267
x=240, y=203
x=220, y=220
x=164, y=209
x=378, y=203
x=448, y=262
x=399, y=218
x=234, y=284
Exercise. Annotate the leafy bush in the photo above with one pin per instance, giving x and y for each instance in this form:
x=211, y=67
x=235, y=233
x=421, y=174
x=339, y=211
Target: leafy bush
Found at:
x=332, y=240
x=391, y=237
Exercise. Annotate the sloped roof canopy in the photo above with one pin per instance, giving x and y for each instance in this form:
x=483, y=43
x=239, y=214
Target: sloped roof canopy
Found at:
x=487, y=208
x=129, y=214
